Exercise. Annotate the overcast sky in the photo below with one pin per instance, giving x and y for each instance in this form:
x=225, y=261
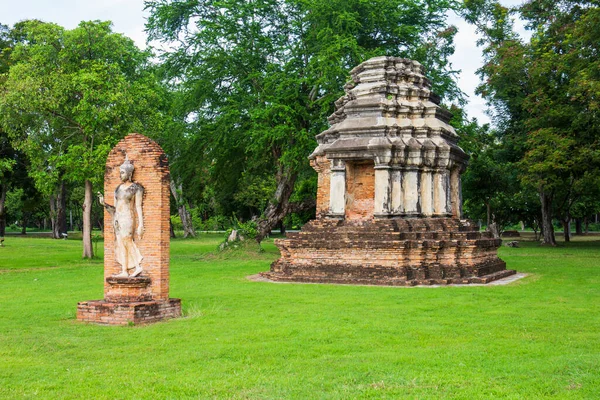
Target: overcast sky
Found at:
x=128, y=18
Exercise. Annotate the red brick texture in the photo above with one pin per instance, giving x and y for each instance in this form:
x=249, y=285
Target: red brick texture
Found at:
x=152, y=172
x=362, y=249
x=137, y=313
x=360, y=190
x=396, y=252
x=323, y=167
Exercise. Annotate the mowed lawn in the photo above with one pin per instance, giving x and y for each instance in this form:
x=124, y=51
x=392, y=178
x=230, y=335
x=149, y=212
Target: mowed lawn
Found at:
x=535, y=338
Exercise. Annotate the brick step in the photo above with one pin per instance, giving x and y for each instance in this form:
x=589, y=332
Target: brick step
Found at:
x=392, y=225
x=494, y=276
x=371, y=235
x=379, y=244
x=388, y=281
x=392, y=252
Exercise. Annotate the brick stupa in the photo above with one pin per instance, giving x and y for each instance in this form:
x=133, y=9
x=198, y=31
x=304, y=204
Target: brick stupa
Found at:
x=144, y=298
x=389, y=195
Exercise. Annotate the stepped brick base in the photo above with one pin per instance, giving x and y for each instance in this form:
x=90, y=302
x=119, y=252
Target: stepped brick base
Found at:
x=125, y=313
x=396, y=252
x=128, y=301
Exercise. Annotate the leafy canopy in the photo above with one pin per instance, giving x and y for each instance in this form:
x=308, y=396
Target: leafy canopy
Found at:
x=71, y=94
x=260, y=77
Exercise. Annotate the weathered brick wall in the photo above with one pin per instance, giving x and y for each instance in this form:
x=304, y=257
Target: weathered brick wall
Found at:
x=104, y=313
x=152, y=172
x=323, y=167
x=360, y=190
x=389, y=252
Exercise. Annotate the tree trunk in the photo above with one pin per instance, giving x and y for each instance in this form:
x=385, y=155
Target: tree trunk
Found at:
x=489, y=214
x=186, y=221
x=61, y=208
x=547, y=228
x=182, y=210
x=171, y=230
x=278, y=207
x=566, y=223
x=3, y=190
x=282, y=227
x=578, y=226
x=88, y=251
x=58, y=214
x=53, y=222
x=24, y=225
x=494, y=229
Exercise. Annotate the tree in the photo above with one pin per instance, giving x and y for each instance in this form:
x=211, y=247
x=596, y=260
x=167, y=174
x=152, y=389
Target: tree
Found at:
x=184, y=164
x=69, y=96
x=545, y=93
x=491, y=188
x=7, y=160
x=260, y=78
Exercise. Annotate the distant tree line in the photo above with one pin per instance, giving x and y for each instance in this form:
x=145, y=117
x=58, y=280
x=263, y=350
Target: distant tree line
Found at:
x=240, y=89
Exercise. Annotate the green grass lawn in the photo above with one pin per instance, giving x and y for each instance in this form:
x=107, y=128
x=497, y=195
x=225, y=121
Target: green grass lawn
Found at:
x=536, y=338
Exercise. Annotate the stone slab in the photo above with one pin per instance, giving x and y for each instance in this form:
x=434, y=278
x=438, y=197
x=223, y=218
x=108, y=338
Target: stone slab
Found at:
x=498, y=282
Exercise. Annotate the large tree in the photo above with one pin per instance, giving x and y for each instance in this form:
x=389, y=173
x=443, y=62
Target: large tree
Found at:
x=186, y=165
x=545, y=93
x=69, y=96
x=260, y=78
x=7, y=153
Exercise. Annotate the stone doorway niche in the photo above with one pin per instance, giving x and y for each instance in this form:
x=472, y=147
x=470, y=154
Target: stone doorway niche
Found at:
x=360, y=189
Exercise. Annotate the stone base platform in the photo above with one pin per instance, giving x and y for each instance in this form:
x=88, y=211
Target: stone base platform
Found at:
x=125, y=313
x=394, y=252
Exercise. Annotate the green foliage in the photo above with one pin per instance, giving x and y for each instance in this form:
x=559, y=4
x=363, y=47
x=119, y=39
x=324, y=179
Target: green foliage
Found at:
x=6, y=165
x=545, y=92
x=22, y=205
x=14, y=204
x=7, y=152
x=246, y=229
x=256, y=80
x=214, y=223
x=70, y=95
x=176, y=222
x=254, y=191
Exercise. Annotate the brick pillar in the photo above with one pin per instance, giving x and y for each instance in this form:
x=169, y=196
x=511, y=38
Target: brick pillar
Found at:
x=322, y=165
x=143, y=298
x=152, y=172
x=455, y=195
x=337, y=193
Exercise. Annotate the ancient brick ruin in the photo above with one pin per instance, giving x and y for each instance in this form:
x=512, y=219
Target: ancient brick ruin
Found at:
x=389, y=196
x=145, y=298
